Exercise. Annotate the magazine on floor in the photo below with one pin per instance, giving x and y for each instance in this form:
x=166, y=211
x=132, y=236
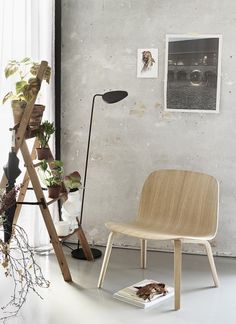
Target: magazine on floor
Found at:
x=129, y=294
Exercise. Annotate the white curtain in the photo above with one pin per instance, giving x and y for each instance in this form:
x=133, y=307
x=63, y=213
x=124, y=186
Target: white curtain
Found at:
x=26, y=30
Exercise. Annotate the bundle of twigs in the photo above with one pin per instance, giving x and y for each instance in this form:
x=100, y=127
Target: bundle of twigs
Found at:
x=18, y=261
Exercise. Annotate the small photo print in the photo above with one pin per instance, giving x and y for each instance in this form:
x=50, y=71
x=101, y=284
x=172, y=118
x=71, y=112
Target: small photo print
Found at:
x=147, y=63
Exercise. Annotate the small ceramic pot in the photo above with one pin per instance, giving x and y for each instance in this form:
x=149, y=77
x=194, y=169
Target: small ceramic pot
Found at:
x=71, y=208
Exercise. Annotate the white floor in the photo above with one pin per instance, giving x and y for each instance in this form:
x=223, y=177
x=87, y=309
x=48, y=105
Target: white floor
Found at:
x=81, y=302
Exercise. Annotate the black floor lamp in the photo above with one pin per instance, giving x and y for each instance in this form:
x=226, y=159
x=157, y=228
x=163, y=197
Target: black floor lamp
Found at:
x=110, y=98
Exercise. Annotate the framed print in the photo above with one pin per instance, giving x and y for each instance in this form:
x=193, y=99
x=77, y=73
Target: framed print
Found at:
x=147, y=63
x=193, y=70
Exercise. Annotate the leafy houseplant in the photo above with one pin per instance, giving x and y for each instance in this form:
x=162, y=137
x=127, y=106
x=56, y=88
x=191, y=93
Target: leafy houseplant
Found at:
x=26, y=88
x=51, y=175
x=43, y=135
x=73, y=181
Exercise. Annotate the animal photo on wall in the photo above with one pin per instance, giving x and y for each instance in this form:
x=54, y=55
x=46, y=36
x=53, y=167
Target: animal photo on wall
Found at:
x=192, y=78
x=147, y=63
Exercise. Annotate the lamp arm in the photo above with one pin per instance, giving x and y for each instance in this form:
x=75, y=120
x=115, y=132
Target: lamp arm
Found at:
x=87, y=157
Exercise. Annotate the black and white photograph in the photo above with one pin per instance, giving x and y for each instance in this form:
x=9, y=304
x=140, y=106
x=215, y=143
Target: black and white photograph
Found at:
x=192, y=80
x=147, y=63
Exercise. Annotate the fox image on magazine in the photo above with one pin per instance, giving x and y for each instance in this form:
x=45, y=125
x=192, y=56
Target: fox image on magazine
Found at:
x=145, y=293
x=151, y=289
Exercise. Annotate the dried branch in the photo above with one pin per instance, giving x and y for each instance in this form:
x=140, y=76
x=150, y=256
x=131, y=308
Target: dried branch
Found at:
x=18, y=261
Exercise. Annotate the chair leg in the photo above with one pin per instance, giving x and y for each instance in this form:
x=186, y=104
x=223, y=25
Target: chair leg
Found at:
x=143, y=253
x=177, y=272
x=106, y=259
x=212, y=263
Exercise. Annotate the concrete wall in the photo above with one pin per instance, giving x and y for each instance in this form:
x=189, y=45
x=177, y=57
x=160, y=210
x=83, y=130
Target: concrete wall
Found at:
x=131, y=138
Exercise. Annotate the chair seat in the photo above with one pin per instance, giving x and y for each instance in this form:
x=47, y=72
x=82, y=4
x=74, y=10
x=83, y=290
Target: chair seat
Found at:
x=151, y=233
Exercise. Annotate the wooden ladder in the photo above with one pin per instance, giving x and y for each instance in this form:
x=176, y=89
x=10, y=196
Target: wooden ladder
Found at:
x=31, y=175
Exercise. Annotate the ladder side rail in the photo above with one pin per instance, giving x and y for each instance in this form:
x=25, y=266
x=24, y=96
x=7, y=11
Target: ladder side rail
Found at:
x=45, y=212
x=24, y=186
x=20, y=133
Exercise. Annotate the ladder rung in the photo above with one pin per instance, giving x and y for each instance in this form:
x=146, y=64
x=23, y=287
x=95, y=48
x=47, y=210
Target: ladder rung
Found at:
x=30, y=188
x=42, y=202
x=63, y=194
x=37, y=164
x=29, y=203
x=62, y=238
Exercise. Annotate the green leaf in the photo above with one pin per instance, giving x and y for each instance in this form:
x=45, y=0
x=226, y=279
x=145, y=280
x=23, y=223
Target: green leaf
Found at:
x=34, y=69
x=29, y=92
x=44, y=165
x=9, y=95
x=73, y=180
x=20, y=85
x=10, y=70
x=26, y=60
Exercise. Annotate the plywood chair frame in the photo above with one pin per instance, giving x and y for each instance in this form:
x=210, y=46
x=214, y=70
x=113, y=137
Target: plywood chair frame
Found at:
x=191, y=216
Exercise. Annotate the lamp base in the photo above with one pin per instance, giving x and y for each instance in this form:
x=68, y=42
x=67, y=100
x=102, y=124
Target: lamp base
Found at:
x=79, y=254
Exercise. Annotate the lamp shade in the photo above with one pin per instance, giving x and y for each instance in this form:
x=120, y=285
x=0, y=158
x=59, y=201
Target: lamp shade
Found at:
x=114, y=96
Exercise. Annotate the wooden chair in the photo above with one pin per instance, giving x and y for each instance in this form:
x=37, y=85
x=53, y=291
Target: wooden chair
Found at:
x=175, y=205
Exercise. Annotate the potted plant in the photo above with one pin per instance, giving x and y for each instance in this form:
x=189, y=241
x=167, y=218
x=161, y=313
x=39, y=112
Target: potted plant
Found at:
x=43, y=134
x=51, y=176
x=71, y=208
x=26, y=88
x=72, y=181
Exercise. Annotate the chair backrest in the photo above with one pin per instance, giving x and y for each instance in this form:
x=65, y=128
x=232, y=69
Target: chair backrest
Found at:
x=180, y=202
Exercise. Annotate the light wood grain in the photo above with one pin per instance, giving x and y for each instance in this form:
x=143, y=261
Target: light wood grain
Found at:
x=212, y=263
x=84, y=244
x=143, y=253
x=106, y=259
x=177, y=272
x=175, y=205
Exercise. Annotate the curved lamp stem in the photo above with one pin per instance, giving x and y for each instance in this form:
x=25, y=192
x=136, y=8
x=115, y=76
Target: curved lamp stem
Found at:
x=87, y=156
x=109, y=97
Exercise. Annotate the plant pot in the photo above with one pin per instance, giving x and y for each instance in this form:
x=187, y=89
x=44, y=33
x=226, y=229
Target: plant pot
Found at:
x=36, y=116
x=43, y=153
x=54, y=191
x=62, y=228
x=30, y=133
x=18, y=108
x=71, y=208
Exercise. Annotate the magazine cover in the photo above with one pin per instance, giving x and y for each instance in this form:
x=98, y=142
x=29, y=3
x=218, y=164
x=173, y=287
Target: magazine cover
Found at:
x=129, y=294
